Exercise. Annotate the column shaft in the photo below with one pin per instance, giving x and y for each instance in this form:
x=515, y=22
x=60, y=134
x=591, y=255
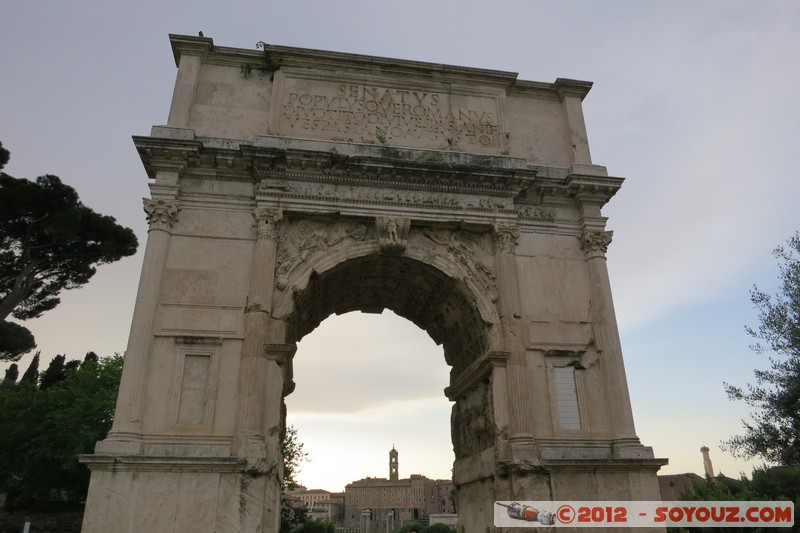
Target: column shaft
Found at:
x=608, y=342
x=125, y=435
x=255, y=368
x=519, y=395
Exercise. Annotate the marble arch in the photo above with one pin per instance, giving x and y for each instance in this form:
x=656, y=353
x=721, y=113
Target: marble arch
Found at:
x=289, y=184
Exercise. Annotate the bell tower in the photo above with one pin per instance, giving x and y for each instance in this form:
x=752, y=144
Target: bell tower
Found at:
x=393, y=466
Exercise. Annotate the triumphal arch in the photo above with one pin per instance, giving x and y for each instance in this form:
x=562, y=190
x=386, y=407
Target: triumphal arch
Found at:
x=290, y=184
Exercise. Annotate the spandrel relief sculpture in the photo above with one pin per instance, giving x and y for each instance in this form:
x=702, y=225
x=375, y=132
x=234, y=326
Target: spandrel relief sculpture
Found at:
x=301, y=240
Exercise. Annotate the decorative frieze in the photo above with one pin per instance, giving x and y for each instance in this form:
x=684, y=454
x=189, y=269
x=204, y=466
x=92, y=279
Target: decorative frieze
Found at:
x=366, y=195
x=536, y=213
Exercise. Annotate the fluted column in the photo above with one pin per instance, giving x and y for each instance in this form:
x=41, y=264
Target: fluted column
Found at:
x=521, y=440
x=125, y=435
x=255, y=366
x=594, y=244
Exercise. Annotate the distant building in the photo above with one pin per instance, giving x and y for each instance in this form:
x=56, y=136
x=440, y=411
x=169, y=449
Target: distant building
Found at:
x=393, y=502
x=675, y=486
x=321, y=504
x=707, y=467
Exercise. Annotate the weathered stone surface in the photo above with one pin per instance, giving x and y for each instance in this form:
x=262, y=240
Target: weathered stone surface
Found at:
x=291, y=184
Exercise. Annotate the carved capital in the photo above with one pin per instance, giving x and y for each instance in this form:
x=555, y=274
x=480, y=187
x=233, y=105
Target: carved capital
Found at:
x=283, y=354
x=161, y=214
x=595, y=243
x=505, y=237
x=280, y=353
x=267, y=221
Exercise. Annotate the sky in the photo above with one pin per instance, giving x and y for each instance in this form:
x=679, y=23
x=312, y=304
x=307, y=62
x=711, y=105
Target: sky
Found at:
x=694, y=103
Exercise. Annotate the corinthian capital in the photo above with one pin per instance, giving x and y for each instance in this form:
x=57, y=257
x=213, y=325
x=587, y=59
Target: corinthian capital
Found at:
x=505, y=238
x=161, y=214
x=595, y=243
x=267, y=221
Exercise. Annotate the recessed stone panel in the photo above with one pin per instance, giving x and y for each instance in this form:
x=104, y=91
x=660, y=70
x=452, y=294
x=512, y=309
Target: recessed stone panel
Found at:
x=388, y=113
x=201, y=321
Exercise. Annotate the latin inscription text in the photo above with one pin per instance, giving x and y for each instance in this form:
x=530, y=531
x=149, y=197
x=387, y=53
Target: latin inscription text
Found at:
x=361, y=112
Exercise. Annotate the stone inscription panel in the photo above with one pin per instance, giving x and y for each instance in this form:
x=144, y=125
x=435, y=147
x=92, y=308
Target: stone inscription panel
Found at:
x=381, y=114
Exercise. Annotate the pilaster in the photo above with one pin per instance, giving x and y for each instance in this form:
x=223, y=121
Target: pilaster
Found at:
x=594, y=243
x=521, y=443
x=255, y=368
x=125, y=435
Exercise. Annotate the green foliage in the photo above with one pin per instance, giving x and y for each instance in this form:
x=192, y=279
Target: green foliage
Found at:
x=54, y=372
x=10, y=378
x=439, y=528
x=15, y=341
x=773, y=433
x=315, y=526
x=49, y=242
x=5, y=155
x=777, y=482
x=43, y=430
x=291, y=516
x=293, y=455
x=724, y=489
x=767, y=484
x=31, y=375
x=269, y=63
x=434, y=528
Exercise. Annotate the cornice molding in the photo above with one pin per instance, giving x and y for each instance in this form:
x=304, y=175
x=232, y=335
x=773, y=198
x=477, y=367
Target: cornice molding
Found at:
x=187, y=45
x=304, y=58
x=566, y=87
x=170, y=155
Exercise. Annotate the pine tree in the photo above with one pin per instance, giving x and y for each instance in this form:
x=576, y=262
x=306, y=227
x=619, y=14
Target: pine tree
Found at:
x=31, y=375
x=10, y=379
x=49, y=242
x=54, y=372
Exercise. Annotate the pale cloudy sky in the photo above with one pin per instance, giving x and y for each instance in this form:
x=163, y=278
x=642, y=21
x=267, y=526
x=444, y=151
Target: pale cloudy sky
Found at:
x=694, y=103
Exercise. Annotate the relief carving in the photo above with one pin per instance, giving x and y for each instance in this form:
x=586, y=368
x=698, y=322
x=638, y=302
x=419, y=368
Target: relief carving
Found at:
x=536, y=213
x=272, y=186
x=360, y=195
x=471, y=250
x=301, y=240
x=472, y=424
x=392, y=234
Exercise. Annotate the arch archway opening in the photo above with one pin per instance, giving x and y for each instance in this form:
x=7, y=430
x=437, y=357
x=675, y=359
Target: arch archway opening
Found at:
x=441, y=305
x=367, y=383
